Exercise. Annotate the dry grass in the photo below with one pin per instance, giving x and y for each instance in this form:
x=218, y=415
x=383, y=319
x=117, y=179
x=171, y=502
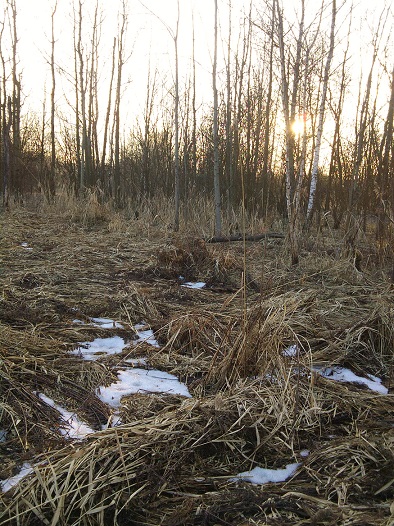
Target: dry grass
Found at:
x=172, y=459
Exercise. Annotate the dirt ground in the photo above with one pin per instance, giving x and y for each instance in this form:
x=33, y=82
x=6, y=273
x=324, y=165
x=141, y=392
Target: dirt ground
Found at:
x=172, y=460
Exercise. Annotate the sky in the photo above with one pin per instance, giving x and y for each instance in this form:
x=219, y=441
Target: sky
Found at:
x=151, y=24
x=149, y=43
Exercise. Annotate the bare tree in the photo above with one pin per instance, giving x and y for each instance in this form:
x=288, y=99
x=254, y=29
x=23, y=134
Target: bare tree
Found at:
x=174, y=35
x=176, y=111
x=120, y=64
x=107, y=117
x=293, y=186
x=362, y=121
x=216, y=174
x=53, y=77
x=316, y=156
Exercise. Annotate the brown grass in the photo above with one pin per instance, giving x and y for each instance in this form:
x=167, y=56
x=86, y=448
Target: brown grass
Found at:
x=172, y=459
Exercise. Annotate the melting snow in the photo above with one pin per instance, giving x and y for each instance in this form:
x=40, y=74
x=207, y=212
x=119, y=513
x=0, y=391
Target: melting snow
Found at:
x=99, y=347
x=26, y=246
x=74, y=428
x=9, y=483
x=145, y=335
x=141, y=381
x=264, y=476
x=290, y=351
x=106, y=323
x=103, y=323
x=191, y=285
x=341, y=374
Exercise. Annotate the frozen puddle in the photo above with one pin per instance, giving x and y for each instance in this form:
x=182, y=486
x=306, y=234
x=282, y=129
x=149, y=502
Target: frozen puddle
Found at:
x=137, y=380
x=341, y=374
x=263, y=476
x=73, y=427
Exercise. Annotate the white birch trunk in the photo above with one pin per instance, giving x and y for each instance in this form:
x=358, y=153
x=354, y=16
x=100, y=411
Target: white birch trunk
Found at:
x=316, y=154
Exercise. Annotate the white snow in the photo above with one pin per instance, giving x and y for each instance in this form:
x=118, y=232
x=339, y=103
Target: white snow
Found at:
x=341, y=374
x=290, y=351
x=192, y=285
x=263, y=476
x=102, y=323
x=141, y=381
x=145, y=335
x=106, y=323
x=304, y=453
x=26, y=246
x=136, y=361
x=9, y=483
x=74, y=428
x=112, y=345
x=99, y=347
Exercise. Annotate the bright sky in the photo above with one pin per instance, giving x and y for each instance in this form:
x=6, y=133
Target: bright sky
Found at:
x=150, y=43
x=150, y=46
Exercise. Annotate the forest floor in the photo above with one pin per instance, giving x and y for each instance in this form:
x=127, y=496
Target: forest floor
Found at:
x=261, y=349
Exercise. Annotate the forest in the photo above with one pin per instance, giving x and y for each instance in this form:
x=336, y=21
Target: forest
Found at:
x=197, y=264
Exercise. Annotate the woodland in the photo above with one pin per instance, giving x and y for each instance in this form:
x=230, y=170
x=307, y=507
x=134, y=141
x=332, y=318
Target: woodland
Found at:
x=249, y=237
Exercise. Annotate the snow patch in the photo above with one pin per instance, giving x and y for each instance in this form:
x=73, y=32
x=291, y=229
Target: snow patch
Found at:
x=9, y=483
x=141, y=381
x=290, y=351
x=145, y=335
x=106, y=323
x=263, y=476
x=192, y=285
x=100, y=347
x=341, y=374
x=26, y=246
x=74, y=428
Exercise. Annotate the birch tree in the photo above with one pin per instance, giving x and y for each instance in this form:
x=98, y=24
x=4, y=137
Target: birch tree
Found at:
x=107, y=118
x=293, y=186
x=321, y=116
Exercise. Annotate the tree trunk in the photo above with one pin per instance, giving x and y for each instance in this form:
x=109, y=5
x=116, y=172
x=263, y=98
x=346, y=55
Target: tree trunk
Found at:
x=316, y=156
x=216, y=174
x=176, y=160
x=53, y=141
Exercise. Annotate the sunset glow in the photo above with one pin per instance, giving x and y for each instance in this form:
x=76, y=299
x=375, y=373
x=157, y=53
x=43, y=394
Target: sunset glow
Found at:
x=300, y=125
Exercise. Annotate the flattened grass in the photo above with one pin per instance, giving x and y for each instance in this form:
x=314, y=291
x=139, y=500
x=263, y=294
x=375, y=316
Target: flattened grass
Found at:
x=172, y=459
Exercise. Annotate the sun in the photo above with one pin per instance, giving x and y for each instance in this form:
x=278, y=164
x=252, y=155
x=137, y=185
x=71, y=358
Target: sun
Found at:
x=300, y=125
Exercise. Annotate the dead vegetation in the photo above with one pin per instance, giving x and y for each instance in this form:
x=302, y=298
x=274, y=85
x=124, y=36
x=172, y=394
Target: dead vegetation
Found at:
x=172, y=460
